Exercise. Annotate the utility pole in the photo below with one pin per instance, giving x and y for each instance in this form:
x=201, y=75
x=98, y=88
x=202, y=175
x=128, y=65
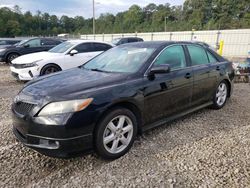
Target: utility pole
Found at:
x=93, y=17
x=166, y=23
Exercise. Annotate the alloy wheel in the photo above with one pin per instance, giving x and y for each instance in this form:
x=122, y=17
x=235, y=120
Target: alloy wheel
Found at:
x=118, y=134
x=12, y=57
x=50, y=70
x=221, y=94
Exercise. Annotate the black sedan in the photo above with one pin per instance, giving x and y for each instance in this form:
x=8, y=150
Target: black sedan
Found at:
x=131, y=88
x=8, y=53
x=8, y=42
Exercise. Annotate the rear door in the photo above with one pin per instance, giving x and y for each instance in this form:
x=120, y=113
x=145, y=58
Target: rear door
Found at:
x=169, y=93
x=203, y=82
x=215, y=68
x=47, y=44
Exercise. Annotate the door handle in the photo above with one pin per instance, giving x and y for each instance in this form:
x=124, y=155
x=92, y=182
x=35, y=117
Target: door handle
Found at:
x=188, y=75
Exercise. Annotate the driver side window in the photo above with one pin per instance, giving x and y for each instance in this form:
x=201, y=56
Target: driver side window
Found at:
x=34, y=43
x=173, y=56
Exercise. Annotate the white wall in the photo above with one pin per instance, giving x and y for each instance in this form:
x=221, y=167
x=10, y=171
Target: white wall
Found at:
x=236, y=42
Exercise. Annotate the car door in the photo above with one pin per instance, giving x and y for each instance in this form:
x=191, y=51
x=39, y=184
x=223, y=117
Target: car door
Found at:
x=47, y=44
x=203, y=82
x=215, y=69
x=169, y=93
x=32, y=46
x=84, y=54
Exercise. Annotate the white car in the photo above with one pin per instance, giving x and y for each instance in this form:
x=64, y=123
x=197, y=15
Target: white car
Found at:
x=66, y=55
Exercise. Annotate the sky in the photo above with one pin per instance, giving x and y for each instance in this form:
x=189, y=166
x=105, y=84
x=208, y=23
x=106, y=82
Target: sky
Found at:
x=83, y=8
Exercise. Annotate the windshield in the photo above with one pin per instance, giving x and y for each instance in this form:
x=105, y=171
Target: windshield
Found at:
x=21, y=43
x=120, y=60
x=61, y=48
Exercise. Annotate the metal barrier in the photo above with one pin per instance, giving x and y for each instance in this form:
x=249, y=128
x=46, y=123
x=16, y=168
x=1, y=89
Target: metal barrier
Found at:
x=236, y=42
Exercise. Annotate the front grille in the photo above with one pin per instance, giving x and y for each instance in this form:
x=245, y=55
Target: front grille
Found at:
x=23, y=108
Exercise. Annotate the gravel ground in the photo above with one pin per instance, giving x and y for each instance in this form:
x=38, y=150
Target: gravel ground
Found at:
x=205, y=149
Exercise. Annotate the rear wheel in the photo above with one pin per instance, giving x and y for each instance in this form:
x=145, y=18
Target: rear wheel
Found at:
x=48, y=69
x=220, y=96
x=11, y=57
x=115, y=133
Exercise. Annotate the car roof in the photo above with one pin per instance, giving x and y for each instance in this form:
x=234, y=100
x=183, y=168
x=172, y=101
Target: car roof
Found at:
x=155, y=44
x=127, y=38
x=79, y=41
x=11, y=39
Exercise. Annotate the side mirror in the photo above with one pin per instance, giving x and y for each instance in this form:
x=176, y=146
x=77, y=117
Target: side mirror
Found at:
x=26, y=46
x=160, y=69
x=73, y=52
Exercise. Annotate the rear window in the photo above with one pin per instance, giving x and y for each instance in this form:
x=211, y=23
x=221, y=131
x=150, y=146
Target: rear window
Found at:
x=211, y=58
x=198, y=55
x=101, y=47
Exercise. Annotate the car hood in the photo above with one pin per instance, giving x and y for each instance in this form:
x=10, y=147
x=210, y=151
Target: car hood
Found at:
x=72, y=83
x=5, y=46
x=29, y=58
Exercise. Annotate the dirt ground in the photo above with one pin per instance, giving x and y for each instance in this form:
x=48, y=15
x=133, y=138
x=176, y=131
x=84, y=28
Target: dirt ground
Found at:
x=205, y=149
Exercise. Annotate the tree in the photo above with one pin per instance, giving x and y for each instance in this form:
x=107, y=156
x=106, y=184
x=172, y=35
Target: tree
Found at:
x=194, y=14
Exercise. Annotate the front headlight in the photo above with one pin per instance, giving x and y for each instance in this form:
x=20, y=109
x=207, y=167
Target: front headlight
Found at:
x=65, y=107
x=28, y=65
x=33, y=64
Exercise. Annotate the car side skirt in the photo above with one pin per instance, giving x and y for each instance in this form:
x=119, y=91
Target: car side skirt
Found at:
x=174, y=117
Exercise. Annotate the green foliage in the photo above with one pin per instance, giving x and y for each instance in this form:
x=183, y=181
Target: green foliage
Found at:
x=194, y=14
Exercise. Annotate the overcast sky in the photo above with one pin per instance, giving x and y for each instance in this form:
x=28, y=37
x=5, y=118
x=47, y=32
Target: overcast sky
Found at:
x=81, y=7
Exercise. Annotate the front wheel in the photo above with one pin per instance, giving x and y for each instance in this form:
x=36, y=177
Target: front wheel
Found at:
x=48, y=69
x=220, y=96
x=11, y=57
x=115, y=133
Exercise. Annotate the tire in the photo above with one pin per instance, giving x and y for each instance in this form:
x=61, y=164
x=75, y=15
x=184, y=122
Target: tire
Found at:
x=50, y=68
x=220, y=96
x=119, y=138
x=11, y=57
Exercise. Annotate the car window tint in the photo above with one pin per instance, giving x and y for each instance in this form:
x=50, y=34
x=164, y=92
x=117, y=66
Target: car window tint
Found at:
x=49, y=42
x=86, y=47
x=2, y=42
x=211, y=58
x=198, y=55
x=34, y=43
x=123, y=41
x=132, y=40
x=101, y=47
x=173, y=56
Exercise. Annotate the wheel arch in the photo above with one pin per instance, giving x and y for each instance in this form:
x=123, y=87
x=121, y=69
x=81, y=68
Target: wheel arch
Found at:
x=229, y=86
x=47, y=64
x=124, y=104
x=11, y=52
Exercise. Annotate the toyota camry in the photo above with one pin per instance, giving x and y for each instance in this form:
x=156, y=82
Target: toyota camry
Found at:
x=104, y=104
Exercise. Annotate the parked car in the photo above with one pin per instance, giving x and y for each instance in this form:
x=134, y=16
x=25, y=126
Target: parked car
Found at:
x=66, y=55
x=105, y=103
x=28, y=46
x=4, y=42
x=119, y=41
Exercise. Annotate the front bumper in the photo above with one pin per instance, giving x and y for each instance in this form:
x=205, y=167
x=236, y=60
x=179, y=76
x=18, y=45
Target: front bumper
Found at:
x=55, y=147
x=25, y=74
x=53, y=140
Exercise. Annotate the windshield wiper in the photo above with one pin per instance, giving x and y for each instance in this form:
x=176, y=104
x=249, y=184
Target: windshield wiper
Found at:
x=98, y=70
